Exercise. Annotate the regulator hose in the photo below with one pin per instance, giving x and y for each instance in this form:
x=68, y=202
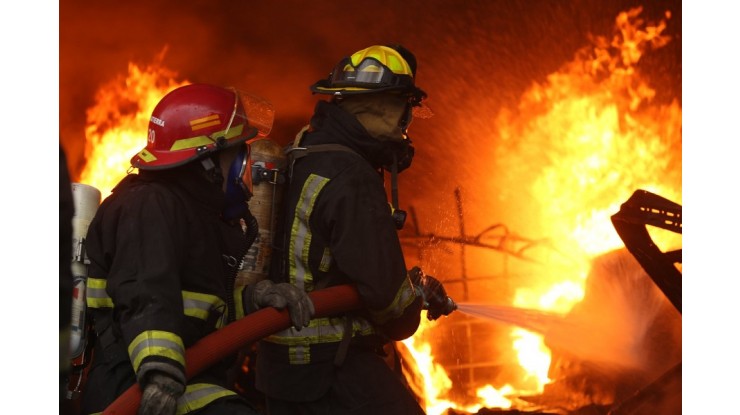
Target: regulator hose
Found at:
x=237, y=335
x=252, y=228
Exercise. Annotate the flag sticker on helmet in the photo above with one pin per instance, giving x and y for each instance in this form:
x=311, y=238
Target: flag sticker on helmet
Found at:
x=205, y=122
x=146, y=156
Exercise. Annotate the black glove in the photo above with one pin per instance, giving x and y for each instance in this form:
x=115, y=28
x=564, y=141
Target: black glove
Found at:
x=436, y=301
x=160, y=395
x=300, y=307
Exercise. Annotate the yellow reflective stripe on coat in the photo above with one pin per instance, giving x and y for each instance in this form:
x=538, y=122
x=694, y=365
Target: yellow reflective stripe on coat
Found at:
x=239, y=301
x=320, y=330
x=95, y=295
x=300, y=235
x=201, y=306
x=198, y=395
x=326, y=259
x=404, y=296
x=197, y=305
x=156, y=343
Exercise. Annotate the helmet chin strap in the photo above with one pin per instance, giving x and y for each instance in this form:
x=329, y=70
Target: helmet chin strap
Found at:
x=212, y=171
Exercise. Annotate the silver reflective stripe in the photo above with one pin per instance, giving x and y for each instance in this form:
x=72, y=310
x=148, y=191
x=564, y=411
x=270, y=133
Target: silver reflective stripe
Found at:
x=196, y=305
x=95, y=295
x=201, y=305
x=198, y=395
x=299, y=355
x=300, y=274
x=321, y=330
x=404, y=296
x=156, y=343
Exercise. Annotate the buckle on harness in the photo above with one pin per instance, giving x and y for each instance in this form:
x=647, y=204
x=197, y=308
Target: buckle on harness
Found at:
x=263, y=174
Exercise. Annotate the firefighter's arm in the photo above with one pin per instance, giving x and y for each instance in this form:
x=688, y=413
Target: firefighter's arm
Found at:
x=144, y=283
x=401, y=318
x=365, y=246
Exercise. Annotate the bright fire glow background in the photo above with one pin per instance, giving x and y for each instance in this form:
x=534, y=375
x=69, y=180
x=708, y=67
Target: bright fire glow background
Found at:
x=554, y=162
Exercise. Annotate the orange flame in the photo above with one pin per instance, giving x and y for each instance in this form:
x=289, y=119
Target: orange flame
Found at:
x=116, y=125
x=578, y=144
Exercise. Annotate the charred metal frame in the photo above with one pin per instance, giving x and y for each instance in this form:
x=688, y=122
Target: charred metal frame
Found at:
x=496, y=237
x=640, y=210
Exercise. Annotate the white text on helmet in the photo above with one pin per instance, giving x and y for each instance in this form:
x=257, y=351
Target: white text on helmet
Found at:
x=157, y=121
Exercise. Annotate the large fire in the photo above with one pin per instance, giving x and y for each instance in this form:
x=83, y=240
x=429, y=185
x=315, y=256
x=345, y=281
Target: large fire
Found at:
x=575, y=148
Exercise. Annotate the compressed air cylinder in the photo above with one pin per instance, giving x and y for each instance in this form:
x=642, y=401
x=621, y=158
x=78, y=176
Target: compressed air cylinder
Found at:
x=268, y=167
x=86, y=201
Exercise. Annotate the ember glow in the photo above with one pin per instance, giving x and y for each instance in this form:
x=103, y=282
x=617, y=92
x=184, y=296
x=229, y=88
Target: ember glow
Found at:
x=575, y=148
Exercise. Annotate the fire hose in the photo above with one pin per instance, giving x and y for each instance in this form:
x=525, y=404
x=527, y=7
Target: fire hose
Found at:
x=230, y=339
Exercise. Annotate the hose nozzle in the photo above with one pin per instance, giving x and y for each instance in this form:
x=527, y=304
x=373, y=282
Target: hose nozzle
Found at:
x=441, y=307
x=450, y=306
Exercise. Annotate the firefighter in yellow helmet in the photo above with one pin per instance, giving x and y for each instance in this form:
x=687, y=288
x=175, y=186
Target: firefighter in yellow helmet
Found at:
x=340, y=229
x=165, y=248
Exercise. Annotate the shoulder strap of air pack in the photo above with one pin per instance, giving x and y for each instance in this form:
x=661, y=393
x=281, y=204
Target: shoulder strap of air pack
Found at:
x=297, y=151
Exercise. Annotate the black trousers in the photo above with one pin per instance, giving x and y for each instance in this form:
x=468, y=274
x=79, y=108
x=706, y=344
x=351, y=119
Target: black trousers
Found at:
x=364, y=384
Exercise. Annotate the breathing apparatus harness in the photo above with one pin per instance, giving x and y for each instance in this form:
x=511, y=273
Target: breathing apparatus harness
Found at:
x=296, y=151
x=399, y=216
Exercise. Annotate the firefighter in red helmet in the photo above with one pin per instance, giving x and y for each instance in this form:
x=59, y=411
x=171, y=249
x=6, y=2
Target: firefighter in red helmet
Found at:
x=340, y=229
x=164, y=251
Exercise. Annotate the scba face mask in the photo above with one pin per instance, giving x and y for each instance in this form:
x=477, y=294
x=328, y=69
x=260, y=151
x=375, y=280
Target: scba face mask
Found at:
x=402, y=154
x=238, y=185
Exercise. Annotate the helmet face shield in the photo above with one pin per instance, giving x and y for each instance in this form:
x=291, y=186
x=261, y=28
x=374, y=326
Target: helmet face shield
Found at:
x=259, y=112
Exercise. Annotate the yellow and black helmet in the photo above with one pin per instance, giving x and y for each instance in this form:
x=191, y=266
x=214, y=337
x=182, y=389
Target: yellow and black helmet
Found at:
x=374, y=69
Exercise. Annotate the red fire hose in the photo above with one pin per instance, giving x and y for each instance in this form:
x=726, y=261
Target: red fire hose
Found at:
x=230, y=339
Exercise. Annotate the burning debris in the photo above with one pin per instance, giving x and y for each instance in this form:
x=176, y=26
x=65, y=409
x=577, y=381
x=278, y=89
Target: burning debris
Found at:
x=573, y=150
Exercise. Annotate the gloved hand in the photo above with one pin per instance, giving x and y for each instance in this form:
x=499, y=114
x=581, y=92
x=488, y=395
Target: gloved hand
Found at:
x=268, y=294
x=436, y=301
x=160, y=394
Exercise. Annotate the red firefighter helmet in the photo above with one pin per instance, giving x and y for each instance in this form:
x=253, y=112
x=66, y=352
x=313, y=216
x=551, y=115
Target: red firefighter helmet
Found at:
x=195, y=120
